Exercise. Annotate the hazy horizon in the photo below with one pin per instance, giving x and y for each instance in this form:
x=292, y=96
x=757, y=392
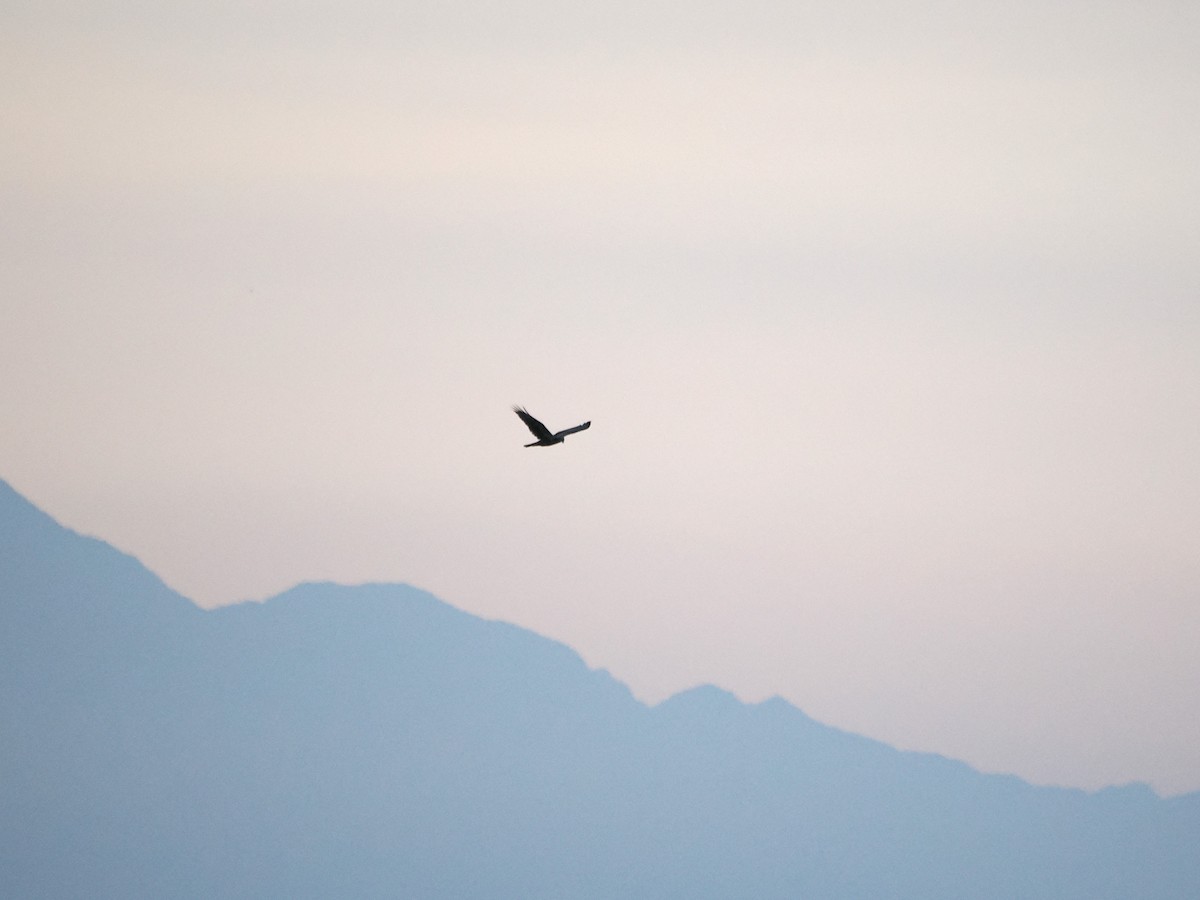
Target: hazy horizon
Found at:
x=885, y=317
x=374, y=740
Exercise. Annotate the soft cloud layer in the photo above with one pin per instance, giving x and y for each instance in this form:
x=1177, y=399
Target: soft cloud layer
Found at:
x=885, y=318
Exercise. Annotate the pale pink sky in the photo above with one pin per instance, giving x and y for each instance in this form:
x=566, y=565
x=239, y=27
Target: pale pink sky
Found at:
x=886, y=318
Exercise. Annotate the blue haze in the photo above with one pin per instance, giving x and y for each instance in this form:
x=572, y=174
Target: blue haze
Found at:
x=374, y=741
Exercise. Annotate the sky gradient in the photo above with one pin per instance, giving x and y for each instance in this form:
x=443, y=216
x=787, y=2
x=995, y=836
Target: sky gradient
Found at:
x=886, y=316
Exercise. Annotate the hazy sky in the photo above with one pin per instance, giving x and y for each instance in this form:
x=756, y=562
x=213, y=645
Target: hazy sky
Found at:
x=886, y=316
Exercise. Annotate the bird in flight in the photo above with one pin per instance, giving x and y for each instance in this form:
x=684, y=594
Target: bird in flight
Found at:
x=542, y=433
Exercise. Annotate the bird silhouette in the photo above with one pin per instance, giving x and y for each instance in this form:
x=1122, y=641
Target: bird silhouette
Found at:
x=542, y=433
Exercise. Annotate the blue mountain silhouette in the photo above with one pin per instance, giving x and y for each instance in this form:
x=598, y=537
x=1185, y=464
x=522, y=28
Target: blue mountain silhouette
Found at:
x=373, y=741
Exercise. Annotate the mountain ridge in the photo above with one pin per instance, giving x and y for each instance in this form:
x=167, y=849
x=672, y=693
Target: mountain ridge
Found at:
x=373, y=740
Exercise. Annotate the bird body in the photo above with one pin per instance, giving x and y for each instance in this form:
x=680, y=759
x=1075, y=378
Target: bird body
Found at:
x=542, y=433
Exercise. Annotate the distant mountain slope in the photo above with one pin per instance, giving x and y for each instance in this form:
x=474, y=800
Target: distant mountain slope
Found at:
x=373, y=741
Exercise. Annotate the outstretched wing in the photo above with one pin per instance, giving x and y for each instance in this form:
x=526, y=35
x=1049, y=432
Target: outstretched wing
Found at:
x=540, y=431
x=567, y=431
